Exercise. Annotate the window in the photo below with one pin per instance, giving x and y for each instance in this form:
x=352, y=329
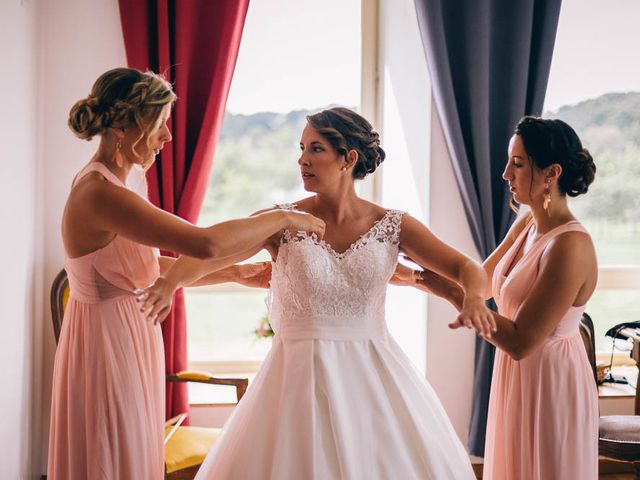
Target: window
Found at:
x=304, y=58
x=595, y=86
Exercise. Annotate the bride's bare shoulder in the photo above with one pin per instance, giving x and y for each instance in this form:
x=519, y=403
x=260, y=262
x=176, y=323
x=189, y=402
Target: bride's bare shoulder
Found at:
x=375, y=209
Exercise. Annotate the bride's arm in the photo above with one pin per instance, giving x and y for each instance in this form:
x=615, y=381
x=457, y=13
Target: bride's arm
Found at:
x=424, y=248
x=429, y=282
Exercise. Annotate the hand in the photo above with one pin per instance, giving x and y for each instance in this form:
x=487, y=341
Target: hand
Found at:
x=476, y=315
x=256, y=275
x=156, y=300
x=305, y=222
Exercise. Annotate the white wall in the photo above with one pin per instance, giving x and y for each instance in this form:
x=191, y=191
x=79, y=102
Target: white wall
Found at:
x=450, y=353
x=418, y=177
x=82, y=40
x=18, y=36
x=405, y=116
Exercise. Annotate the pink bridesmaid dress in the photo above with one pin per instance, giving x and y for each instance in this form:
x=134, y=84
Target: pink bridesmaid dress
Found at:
x=543, y=409
x=107, y=411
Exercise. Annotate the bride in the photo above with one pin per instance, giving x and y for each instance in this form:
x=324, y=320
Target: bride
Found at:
x=336, y=398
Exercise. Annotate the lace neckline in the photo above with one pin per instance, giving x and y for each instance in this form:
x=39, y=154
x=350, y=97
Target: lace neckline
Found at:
x=360, y=242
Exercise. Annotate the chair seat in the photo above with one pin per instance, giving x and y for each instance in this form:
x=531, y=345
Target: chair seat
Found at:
x=620, y=437
x=188, y=447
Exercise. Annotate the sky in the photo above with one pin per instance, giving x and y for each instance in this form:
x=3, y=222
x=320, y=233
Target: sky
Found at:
x=306, y=54
x=298, y=54
x=597, y=51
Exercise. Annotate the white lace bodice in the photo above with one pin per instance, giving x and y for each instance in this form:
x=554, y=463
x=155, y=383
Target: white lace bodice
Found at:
x=319, y=293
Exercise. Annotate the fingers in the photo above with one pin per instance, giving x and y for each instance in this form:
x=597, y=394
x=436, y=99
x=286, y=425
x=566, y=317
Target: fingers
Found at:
x=152, y=305
x=319, y=228
x=455, y=325
x=155, y=311
x=162, y=315
x=481, y=322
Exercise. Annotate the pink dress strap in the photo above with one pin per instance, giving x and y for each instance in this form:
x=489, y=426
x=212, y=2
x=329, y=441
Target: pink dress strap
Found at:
x=102, y=169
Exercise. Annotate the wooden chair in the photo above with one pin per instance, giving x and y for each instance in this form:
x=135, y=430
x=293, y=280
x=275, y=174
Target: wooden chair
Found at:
x=185, y=446
x=619, y=436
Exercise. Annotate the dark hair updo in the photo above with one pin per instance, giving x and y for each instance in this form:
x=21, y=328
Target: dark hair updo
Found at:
x=346, y=130
x=550, y=141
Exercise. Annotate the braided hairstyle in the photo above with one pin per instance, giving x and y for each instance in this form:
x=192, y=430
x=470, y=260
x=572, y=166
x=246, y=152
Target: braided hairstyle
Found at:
x=121, y=98
x=346, y=130
x=550, y=141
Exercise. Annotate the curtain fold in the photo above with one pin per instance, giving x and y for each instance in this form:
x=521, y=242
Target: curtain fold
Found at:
x=195, y=45
x=489, y=63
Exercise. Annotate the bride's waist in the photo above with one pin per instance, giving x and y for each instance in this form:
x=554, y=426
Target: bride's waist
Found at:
x=329, y=327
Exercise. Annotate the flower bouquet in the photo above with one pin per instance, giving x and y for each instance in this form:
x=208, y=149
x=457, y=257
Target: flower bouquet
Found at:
x=264, y=329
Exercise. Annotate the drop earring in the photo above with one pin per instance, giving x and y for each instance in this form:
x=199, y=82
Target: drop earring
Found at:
x=547, y=198
x=118, y=156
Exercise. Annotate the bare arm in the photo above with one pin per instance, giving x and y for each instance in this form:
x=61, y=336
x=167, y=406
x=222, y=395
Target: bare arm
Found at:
x=115, y=209
x=429, y=252
x=563, y=274
x=188, y=271
x=255, y=275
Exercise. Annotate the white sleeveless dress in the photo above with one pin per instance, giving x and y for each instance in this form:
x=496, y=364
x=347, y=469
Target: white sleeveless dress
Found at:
x=336, y=398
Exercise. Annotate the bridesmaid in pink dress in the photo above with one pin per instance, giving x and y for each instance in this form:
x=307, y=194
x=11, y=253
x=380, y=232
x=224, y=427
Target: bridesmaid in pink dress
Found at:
x=543, y=409
x=107, y=411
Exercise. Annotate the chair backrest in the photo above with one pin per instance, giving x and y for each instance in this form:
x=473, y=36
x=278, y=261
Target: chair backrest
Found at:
x=587, y=334
x=59, y=298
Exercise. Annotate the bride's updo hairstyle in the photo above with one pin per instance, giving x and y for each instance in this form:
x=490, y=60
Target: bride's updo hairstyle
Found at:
x=345, y=130
x=553, y=141
x=121, y=98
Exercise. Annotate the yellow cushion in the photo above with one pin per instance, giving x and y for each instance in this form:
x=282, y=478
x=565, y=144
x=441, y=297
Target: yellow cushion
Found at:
x=65, y=298
x=188, y=446
x=193, y=375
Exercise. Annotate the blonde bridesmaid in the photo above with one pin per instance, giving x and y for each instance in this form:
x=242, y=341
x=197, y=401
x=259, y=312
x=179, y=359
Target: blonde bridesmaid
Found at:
x=107, y=411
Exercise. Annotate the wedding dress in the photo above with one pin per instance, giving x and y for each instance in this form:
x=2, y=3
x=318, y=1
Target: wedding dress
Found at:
x=336, y=398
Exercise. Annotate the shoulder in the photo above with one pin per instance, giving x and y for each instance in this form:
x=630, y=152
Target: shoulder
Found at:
x=572, y=250
x=93, y=188
x=303, y=205
x=409, y=222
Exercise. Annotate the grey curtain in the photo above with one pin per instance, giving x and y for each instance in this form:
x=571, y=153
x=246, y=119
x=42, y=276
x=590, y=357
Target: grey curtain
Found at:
x=489, y=62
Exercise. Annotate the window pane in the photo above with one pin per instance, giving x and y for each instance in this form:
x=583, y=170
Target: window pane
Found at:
x=304, y=57
x=221, y=325
x=586, y=71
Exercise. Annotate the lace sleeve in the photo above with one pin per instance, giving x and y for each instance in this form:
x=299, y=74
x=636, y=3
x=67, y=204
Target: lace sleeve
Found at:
x=389, y=229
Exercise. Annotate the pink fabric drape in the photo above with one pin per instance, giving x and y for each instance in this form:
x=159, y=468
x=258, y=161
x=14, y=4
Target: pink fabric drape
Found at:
x=195, y=44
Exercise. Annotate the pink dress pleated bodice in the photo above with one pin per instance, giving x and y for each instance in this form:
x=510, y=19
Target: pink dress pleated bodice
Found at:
x=543, y=410
x=107, y=412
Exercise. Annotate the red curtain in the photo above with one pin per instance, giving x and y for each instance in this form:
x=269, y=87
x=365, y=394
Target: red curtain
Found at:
x=194, y=43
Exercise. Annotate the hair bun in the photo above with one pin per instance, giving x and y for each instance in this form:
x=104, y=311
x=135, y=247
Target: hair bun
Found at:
x=371, y=155
x=121, y=98
x=86, y=119
x=581, y=173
